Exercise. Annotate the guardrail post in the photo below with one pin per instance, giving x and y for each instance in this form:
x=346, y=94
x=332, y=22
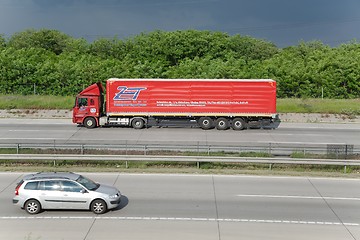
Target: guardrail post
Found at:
x=345, y=169
x=82, y=149
x=270, y=166
x=270, y=148
x=145, y=147
x=126, y=164
x=17, y=148
x=346, y=151
x=126, y=147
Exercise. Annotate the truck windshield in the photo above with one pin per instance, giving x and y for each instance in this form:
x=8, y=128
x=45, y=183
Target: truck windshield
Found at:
x=87, y=183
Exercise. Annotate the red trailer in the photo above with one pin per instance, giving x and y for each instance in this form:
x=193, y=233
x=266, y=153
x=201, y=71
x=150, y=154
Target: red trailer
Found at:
x=220, y=103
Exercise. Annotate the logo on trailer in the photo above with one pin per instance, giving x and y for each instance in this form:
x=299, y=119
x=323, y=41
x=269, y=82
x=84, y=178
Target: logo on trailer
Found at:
x=126, y=93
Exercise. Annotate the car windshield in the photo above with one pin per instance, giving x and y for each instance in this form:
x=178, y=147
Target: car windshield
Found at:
x=87, y=183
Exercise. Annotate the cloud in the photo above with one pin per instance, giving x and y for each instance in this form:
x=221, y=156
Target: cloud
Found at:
x=283, y=21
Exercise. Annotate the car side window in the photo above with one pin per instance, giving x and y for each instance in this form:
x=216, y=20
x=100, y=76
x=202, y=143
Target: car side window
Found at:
x=41, y=185
x=68, y=186
x=52, y=185
x=31, y=186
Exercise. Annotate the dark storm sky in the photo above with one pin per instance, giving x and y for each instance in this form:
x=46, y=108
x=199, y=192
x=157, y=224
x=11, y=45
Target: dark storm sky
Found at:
x=283, y=22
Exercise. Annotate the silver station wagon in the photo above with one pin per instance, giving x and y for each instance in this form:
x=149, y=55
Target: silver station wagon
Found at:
x=64, y=190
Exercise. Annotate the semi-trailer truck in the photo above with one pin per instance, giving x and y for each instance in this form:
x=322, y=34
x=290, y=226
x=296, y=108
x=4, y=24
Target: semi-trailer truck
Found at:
x=208, y=103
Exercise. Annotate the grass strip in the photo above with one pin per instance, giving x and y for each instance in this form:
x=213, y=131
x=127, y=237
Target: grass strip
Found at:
x=349, y=107
x=171, y=167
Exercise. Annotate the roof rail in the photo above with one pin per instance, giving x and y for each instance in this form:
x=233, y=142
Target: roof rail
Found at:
x=48, y=177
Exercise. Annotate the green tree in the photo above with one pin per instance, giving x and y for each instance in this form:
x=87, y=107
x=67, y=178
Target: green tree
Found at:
x=51, y=40
x=250, y=48
x=2, y=41
x=59, y=64
x=79, y=46
x=18, y=72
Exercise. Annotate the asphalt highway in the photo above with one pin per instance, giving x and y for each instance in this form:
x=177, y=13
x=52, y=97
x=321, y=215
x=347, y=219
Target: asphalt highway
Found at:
x=158, y=206
x=63, y=131
x=192, y=206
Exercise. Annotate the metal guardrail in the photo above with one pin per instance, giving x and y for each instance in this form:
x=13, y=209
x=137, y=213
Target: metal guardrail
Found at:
x=276, y=149
x=197, y=159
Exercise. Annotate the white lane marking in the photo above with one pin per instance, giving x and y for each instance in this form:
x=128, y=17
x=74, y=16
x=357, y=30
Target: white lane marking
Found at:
x=24, y=130
x=181, y=219
x=302, y=143
x=39, y=130
x=298, y=197
x=15, y=138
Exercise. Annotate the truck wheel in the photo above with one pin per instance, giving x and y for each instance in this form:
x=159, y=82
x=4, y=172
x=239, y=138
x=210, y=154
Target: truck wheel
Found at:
x=137, y=123
x=90, y=122
x=206, y=123
x=238, y=124
x=222, y=124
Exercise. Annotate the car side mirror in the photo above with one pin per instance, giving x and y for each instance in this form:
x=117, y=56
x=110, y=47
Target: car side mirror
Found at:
x=84, y=191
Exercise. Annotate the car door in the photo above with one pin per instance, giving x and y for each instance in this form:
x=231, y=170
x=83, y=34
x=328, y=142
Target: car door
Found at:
x=51, y=195
x=74, y=195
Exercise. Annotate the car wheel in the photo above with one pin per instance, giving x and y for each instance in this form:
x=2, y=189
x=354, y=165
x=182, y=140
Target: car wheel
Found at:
x=98, y=206
x=32, y=206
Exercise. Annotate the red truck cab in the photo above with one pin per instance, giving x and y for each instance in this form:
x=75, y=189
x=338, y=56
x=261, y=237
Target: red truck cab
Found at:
x=88, y=106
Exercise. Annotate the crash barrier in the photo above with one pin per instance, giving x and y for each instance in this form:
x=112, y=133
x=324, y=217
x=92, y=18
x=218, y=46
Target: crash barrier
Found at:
x=194, y=148
x=197, y=159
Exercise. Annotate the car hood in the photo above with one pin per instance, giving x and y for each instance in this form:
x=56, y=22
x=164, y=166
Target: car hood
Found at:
x=110, y=190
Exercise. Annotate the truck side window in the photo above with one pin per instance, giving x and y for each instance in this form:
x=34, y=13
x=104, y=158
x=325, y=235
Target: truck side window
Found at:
x=82, y=102
x=92, y=102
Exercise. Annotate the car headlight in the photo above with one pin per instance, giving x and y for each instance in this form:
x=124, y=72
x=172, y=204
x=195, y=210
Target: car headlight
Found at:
x=117, y=195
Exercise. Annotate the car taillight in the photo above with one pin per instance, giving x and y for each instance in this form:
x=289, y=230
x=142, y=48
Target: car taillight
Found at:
x=17, y=189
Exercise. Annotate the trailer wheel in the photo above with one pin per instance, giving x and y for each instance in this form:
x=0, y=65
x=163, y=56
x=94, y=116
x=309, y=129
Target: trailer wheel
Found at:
x=222, y=124
x=90, y=122
x=238, y=124
x=137, y=123
x=206, y=123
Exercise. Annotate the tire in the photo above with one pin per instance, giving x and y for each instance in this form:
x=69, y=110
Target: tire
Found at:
x=32, y=206
x=90, y=122
x=222, y=124
x=238, y=124
x=206, y=123
x=98, y=206
x=137, y=123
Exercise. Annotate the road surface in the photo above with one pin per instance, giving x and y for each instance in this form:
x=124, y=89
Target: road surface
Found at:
x=63, y=131
x=199, y=207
